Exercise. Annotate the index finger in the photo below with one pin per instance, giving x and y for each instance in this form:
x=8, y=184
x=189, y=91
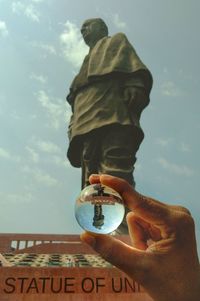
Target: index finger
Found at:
x=147, y=208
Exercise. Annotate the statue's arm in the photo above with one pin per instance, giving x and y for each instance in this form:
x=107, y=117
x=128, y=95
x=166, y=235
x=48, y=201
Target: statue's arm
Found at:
x=135, y=95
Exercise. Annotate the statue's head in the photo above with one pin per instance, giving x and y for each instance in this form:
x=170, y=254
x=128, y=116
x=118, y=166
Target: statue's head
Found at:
x=93, y=30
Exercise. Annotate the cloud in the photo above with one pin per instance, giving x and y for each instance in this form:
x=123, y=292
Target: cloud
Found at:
x=50, y=152
x=138, y=166
x=16, y=198
x=50, y=49
x=27, y=10
x=34, y=156
x=41, y=176
x=72, y=45
x=118, y=22
x=15, y=115
x=60, y=161
x=185, y=148
x=5, y=154
x=181, y=146
x=56, y=110
x=3, y=29
x=3, y=103
x=40, y=78
x=44, y=178
x=169, y=88
x=163, y=142
x=48, y=147
x=181, y=170
x=37, y=1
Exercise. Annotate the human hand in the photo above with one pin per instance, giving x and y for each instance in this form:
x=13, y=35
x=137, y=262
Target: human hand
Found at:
x=163, y=256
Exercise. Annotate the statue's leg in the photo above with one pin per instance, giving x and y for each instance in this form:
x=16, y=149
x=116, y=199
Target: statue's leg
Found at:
x=118, y=156
x=89, y=157
x=118, y=152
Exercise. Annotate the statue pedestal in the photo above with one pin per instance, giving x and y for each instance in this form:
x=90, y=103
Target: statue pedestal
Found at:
x=52, y=269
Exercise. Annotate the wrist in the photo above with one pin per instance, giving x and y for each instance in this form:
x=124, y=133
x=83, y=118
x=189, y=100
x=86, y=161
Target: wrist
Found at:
x=188, y=290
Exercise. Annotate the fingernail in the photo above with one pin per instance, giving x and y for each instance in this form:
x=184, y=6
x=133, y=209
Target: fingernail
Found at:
x=94, y=175
x=88, y=239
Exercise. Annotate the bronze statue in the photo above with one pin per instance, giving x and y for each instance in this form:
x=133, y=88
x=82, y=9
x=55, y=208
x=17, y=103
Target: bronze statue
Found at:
x=107, y=98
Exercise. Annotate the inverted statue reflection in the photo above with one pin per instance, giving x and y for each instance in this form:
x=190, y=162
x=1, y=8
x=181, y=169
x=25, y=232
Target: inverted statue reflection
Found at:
x=99, y=209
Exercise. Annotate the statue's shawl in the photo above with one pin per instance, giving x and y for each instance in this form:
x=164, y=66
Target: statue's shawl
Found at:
x=114, y=54
x=111, y=55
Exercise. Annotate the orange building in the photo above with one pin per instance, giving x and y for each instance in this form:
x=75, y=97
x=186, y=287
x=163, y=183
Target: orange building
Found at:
x=60, y=267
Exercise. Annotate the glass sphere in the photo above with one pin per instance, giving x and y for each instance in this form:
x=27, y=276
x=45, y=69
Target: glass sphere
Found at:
x=99, y=209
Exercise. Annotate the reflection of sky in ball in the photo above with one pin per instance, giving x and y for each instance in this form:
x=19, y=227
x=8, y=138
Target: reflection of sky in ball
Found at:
x=84, y=212
x=113, y=216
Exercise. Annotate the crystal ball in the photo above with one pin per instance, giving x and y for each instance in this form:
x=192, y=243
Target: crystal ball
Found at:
x=99, y=209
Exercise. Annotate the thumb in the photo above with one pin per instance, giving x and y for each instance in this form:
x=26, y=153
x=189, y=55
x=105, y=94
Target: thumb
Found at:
x=119, y=254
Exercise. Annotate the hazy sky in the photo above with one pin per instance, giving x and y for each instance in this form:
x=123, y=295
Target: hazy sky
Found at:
x=40, y=52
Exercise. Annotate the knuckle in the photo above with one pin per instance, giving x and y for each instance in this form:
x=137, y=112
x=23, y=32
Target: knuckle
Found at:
x=150, y=205
x=185, y=220
x=183, y=209
x=106, y=251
